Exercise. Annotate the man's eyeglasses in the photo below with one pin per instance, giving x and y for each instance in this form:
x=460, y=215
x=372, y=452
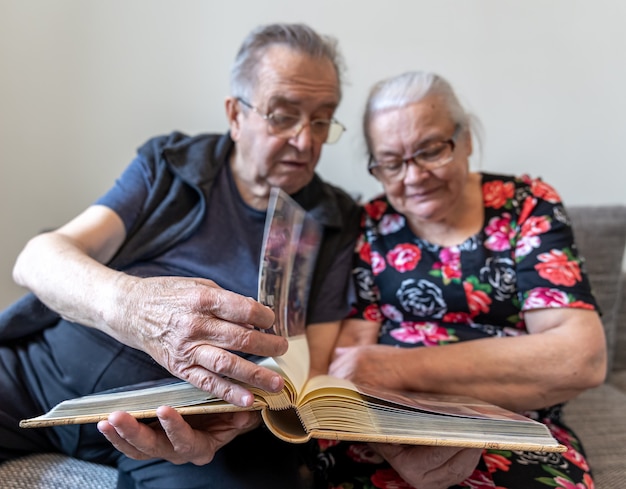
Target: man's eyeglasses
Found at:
x=433, y=156
x=287, y=124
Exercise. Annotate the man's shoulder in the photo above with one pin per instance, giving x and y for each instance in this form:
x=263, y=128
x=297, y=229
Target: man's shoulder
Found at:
x=176, y=140
x=332, y=206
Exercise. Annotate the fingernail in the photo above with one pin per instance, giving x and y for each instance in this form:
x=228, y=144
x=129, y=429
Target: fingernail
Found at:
x=276, y=383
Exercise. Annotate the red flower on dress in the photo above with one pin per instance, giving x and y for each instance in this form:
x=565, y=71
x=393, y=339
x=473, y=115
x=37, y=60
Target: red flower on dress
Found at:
x=457, y=318
x=365, y=251
x=389, y=479
x=576, y=458
x=372, y=313
x=544, y=191
x=375, y=209
x=326, y=444
x=535, y=225
x=527, y=207
x=477, y=300
x=496, y=462
x=582, y=305
x=557, y=268
x=404, y=257
x=497, y=193
x=362, y=453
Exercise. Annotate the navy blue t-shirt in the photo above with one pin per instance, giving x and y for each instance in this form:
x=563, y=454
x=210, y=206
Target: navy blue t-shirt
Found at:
x=226, y=246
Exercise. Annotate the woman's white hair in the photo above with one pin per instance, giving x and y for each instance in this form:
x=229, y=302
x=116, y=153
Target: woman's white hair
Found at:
x=412, y=87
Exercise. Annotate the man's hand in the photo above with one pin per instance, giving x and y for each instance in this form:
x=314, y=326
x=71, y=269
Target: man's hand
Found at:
x=190, y=327
x=173, y=438
x=427, y=467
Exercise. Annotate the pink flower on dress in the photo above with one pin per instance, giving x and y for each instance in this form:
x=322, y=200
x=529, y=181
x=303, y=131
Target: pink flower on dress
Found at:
x=388, y=479
x=479, y=480
x=562, y=482
x=362, y=453
x=450, y=264
x=525, y=245
x=499, y=232
x=557, y=268
x=378, y=263
x=391, y=223
x=543, y=297
x=428, y=333
x=477, y=300
x=404, y=257
x=391, y=312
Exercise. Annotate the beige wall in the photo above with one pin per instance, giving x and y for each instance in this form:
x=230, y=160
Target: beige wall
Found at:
x=83, y=83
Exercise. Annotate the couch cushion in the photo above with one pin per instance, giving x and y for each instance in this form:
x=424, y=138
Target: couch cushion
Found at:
x=619, y=359
x=55, y=471
x=597, y=417
x=600, y=234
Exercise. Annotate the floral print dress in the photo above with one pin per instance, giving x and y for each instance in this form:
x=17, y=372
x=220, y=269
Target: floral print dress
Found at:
x=426, y=295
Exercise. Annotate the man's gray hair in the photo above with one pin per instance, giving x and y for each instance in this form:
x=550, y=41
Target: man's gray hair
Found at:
x=298, y=37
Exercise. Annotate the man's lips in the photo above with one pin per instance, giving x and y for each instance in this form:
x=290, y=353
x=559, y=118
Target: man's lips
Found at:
x=294, y=163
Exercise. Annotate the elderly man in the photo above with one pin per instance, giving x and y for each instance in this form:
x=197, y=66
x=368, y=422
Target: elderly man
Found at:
x=155, y=280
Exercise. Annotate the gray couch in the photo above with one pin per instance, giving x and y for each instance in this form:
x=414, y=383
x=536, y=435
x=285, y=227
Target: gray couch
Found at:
x=598, y=415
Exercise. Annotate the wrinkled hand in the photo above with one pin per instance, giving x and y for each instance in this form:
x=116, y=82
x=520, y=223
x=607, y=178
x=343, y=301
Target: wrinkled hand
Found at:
x=187, y=326
x=427, y=467
x=375, y=365
x=173, y=438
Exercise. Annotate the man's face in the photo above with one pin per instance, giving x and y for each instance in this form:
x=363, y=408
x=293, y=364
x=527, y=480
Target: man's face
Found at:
x=291, y=83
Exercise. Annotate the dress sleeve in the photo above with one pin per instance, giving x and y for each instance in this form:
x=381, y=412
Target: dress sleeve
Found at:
x=549, y=268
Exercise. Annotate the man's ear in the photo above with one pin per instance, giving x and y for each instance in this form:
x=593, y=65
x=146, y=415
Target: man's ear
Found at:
x=233, y=114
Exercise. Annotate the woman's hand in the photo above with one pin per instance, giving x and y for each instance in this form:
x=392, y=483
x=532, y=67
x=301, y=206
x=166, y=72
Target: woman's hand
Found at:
x=426, y=467
x=375, y=365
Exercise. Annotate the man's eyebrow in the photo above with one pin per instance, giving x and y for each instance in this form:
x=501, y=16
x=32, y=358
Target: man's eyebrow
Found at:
x=281, y=100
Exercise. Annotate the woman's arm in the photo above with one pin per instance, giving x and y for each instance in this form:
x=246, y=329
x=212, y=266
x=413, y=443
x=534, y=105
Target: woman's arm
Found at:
x=564, y=354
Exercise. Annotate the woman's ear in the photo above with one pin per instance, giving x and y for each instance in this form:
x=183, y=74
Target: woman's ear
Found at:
x=233, y=113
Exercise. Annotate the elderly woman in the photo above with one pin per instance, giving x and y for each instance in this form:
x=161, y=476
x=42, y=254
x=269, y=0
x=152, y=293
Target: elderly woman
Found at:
x=482, y=271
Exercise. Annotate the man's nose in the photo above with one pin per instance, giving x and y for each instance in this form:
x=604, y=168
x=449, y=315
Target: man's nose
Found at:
x=301, y=136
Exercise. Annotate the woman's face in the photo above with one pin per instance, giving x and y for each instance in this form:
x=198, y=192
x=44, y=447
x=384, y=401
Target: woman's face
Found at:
x=422, y=195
